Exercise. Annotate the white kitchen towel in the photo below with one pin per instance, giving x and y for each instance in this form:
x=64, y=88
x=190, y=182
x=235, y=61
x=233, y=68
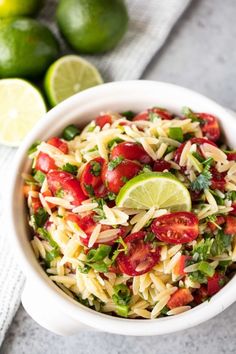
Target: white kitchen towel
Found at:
x=150, y=24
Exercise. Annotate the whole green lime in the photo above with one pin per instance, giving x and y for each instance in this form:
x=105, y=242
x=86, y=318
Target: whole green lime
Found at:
x=92, y=26
x=10, y=8
x=27, y=48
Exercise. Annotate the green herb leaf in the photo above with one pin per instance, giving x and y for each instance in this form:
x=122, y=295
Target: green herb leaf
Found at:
x=197, y=277
x=188, y=113
x=98, y=254
x=39, y=177
x=203, y=181
x=122, y=294
x=50, y=256
x=124, y=179
x=33, y=147
x=202, y=250
x=95, y=168
x=206, y=268
x=176, y=133
x=89, y=189
x=39, y=218
x=150, y=237
x=111, y=196
x=70, y=168
x=198, y=156
x=128, y=114
x=59, y=193
x=100, y=267
x=84, y=269
x=124, y=249
x=115, y=162
x=221, y=244
x=47, y=236
x=70, y=132
x=112, y=143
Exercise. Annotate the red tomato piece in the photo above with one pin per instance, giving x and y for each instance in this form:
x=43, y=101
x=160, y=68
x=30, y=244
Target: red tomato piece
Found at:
x=102, y=120
x=161, y=165
x=231, y=156
x=181, y=297
x=45, y=163
x=131, y=151
x=201, y=294
x=179, y=227
x=161, y=112
x=220, y=220
x=36, y=204
x=180, y=265
x=115, y=178
x=140, y=257
x=209, y=126
x=218, y=179
x=61, y=181
x=58, y=143
x=197, y=141
x=215, y=283
x=91, y=180
x=230, y=228
x=233, y=212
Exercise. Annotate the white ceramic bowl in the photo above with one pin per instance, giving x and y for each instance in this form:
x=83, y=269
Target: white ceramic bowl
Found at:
x=43, y=300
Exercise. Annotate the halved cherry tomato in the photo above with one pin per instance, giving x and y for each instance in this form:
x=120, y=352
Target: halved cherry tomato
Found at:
x=163, y=113
x=209, y=126
x=102, y=120
x=131, y=151
x=215, y=283
x=200, y=294
x=218, y=179
x=45, y=163
x=180, y=265
x=140, y=257
x=60, y=181
x=231, y=156
x=91, y=180
x=230, y=228
x=179, y=227
x=58, y=143
x=220, y=220
x=114, y=179
x=233, y=212
x=161, y=165
x=198, y=142
x=181, y=297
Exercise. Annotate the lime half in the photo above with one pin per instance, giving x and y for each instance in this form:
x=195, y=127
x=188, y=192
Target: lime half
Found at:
x=153, y=189
x=69, y=75
x=21, y=107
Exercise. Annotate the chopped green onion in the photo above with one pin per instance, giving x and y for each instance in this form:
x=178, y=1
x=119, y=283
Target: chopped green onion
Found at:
x=122, y=294
x=47, y=236
x=70, y=132
x=176, y=133
x=98, y=254
x=39, y=177
x=52, y=254
x=39, y=218
x=100, y=267
x=122, y=310
x=206, y=268
x=112, y=143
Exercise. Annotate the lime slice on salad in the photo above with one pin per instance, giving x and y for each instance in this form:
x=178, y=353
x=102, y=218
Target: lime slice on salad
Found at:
x=21, y=107
x=69, y=75
x=161, y=190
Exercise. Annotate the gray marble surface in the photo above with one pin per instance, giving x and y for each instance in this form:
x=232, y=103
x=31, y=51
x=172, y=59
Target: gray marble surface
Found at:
x=199, y=54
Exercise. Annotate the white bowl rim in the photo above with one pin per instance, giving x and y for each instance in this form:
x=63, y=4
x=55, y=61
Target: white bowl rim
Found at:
x=81, y=313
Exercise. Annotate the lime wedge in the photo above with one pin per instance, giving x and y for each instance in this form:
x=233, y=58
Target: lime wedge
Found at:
x=69, y=75
x=153, y=189
x=21, y=107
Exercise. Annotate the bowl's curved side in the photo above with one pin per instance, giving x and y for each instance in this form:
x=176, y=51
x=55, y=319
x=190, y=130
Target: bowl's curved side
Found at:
x=118, y=96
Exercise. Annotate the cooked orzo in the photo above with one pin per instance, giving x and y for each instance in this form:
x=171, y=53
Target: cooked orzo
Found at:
x=135, y=215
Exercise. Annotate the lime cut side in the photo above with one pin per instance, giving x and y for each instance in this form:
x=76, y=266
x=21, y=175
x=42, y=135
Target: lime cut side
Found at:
x=21, y=107
x=159, y=190
x=69, y=75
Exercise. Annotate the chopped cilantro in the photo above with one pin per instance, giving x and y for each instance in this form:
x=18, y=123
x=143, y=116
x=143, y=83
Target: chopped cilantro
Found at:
x=39, y=218
x=149, y=237
x=115, y=162
x=203, y=181
x=202, y=250
x=89, y=189
x=198, y=277
x=122, y=294
x=52, y=254
x=221, y=243
x=170, y=149
x=119, y=250
x=70, y=168
x=111, y=196
x=95, y=168
x=188, y=113
x=231, y=195
x=47, y=236
x=98, y=254
x=206, y=268
x=84, y=269
x=198, y=156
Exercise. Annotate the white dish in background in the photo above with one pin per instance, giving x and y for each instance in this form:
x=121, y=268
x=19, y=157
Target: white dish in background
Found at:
x=42, y=299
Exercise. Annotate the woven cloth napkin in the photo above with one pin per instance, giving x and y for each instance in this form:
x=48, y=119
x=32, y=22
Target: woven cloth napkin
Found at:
x=150, y=24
